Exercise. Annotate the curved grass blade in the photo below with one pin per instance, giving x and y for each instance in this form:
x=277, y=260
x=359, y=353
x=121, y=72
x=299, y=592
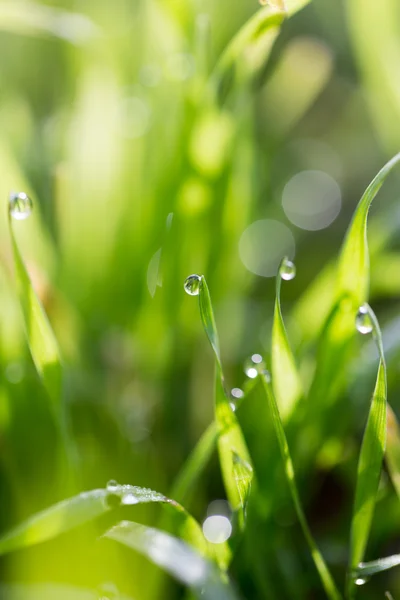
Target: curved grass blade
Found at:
x=196, y=463
x=376, y=566
x=41, y=339
x=233, y=452
x=393, y=449
x=326, y=578
x=87, y=506
x=247, y=52
x=285, y=377
x=175, y=557
x=46, y=591
x=370, y=461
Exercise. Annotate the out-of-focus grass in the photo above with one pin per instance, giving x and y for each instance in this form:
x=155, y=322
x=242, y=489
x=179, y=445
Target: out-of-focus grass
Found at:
x=141, y=174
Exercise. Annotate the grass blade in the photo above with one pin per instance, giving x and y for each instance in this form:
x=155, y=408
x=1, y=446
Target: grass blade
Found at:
x=285, y=377
x=370, y=461
x=393, y=449
x=376, y=566
x=46, y=591
x=42, y=342
x=175, y=557
x=326, y=578
x=233, y=452
x=87, y=506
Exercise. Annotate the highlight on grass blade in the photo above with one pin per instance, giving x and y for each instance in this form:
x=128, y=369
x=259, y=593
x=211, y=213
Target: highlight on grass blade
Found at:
x=322, y=568
x=176, y=557
x=371, y=454
x=232, y=448
x=367, y=569
x=285, y=377
x=41, y=339
x=87, y=506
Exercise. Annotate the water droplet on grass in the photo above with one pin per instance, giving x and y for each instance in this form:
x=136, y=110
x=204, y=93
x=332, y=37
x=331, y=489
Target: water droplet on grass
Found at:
x=129, y=498
x=253, y=365
x=217, y=529
x=287, y=269
x=20, y=205
x=237, y=393
x=192, y=285
x=112, y=485
x=363, y=320
x=360, y=581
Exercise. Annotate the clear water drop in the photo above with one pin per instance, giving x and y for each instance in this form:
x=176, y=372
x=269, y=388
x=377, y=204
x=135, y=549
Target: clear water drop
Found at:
x=112, y=486
x=360, y=581
x=129, y=499
x=20, y=205
x=287, y=269
x=363, y=320
x=236, y=394
x=192, y=285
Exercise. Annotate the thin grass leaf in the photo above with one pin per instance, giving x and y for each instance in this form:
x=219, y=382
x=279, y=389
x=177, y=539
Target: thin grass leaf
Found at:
x=393, y=449
x=285, y=377
x=376, y=566
x=41, y=339
x=231, y=443
x=175, y=557
x=46, y=591
x=195, y=463
x=248, y=51
x=87, y=506
x=370, y=462
x=322, y=568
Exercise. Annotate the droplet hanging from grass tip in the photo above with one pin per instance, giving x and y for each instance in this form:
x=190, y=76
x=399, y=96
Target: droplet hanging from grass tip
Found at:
x=192, y=285
x=20, y=205
x=364, y=322
x=287, y=269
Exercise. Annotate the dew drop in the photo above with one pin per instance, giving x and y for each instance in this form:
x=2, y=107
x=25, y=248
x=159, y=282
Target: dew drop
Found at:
x=237, y=393
x=20, y=205
x=363, y=320
x=253, y=365
x=112, y=485
x=360, y=581
x=287, y=269
x=192, y=285
x=129, y=498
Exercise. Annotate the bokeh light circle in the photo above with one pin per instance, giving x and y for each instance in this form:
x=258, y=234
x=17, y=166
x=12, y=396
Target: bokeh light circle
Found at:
x=263, y=245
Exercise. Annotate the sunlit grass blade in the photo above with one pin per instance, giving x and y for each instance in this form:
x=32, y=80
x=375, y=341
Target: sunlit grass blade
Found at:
x=285, y=377
x=247, y=52
x=232, y=447
x=46, y=591
x=195, y=463
x=175, y=557
x=393, y=449
x=322, y=568
x=373, y=567
x=41, y=339
x=371, y=457
x=87, y=506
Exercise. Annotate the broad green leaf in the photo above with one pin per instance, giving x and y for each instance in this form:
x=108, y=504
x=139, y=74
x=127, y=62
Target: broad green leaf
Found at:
x=247, y=52
x=393, y=449
x=326, y=578
x=195, y=463
x=285, y=377
x=231, y=443
x=42, y=342
x=370, y=462
x=85, y=507
x=376, y=566
x=175, y=557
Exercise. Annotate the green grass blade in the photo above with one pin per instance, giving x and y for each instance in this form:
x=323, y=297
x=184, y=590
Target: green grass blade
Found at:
x=248, y=50
x=376, y=566
x=42, y=342
x=175, y=557
x=353, y=269
x=370, y=462
x=195, y=464
x=46, y=591
x=87, y=506
x=233, y=452
x=326, y=578
x=393, y=449
x=285, y=377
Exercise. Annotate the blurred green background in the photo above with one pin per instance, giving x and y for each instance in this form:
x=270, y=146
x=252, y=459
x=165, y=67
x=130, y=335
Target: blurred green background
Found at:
x=138, y=180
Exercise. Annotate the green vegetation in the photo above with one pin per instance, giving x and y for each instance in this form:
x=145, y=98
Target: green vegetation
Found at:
x=152, y=148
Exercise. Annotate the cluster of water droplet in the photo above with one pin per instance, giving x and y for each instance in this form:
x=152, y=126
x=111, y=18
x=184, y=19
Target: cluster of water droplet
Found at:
x=192, y=285
x=127, y=495
x=20, y=205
